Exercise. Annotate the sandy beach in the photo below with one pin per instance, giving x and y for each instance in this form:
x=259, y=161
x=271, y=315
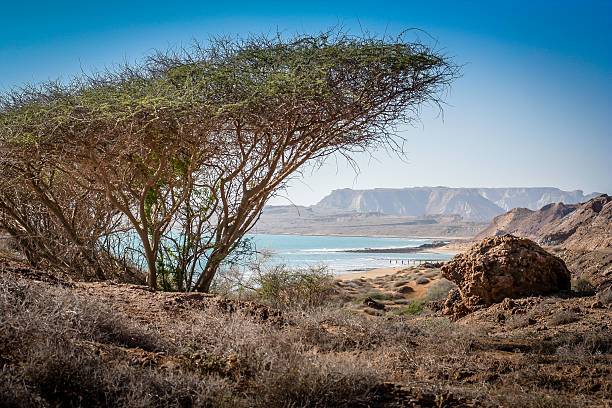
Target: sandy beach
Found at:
x=373, y=273
x=452, y=247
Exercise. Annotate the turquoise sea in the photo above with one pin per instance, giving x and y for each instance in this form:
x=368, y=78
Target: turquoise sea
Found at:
x=309, y=250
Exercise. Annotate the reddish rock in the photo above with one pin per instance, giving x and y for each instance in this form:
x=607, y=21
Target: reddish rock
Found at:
x=502, y=267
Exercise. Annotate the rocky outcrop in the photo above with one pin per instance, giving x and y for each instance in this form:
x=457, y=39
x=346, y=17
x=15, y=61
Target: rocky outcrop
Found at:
x=588, y=228
x=502, y=267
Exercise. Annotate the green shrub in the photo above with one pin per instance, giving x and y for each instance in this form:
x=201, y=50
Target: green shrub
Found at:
x=440, y=289
x=282, y=287
x=412, y=308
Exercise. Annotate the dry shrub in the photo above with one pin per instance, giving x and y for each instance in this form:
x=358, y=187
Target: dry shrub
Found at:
x=520, y=321
x=580, y=347
x=73, y=376
x=324, y=381
x=281, y=367
x=582, y=286
x=284, y=288
x=605, y=296
x=31, y=311
x=563, y=317
x=439, y=290
x=50, y=342
x=372, y=312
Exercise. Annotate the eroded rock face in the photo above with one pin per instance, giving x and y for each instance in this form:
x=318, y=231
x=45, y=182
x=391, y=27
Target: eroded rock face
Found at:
x=502, y=267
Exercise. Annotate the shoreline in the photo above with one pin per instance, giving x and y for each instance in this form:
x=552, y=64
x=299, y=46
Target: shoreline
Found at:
x=398, y=250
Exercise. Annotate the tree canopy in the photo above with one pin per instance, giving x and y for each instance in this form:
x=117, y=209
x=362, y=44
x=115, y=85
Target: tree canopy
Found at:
x=188, y=146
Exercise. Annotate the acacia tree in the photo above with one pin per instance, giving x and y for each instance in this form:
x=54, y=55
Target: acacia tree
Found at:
x=55, y=223
x=192, y=144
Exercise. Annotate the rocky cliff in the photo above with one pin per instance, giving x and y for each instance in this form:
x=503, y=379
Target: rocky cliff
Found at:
x=473, y=204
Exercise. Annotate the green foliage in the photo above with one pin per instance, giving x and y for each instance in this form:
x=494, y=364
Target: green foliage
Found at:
x=283, y=287
x=373, y=295
x=412, y=308
x=251, y=76
x=219, y=129
x=168, y=270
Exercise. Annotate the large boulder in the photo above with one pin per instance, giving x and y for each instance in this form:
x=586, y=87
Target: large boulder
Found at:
x=502, y=267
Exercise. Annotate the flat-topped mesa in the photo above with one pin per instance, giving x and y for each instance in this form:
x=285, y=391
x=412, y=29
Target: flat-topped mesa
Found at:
x=472, y=204
x=502, y=267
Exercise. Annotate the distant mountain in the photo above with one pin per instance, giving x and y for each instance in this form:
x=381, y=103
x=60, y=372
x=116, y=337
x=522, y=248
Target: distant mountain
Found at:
x=473, y=204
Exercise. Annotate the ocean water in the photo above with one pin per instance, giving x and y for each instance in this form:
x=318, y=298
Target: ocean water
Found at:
x=308, y=250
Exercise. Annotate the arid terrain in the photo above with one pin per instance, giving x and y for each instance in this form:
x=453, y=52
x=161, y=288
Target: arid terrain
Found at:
x=372, y=342
x=381, y=338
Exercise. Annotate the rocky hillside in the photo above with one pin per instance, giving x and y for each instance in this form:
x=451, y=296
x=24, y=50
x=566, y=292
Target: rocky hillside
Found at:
x=473, y=204
x=580, y=233
x=586, y=226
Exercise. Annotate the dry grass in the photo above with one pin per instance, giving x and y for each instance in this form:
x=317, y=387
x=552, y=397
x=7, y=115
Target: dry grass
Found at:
x=58, y=347
x=62, y=349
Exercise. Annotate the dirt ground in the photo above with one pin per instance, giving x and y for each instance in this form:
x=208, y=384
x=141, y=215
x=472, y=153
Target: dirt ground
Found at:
x=537, y=351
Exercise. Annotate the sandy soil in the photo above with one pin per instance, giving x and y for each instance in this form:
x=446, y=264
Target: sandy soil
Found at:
x=452, y=247
x=374, y=273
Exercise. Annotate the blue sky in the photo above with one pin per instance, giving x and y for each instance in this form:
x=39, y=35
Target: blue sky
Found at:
x=533, y=107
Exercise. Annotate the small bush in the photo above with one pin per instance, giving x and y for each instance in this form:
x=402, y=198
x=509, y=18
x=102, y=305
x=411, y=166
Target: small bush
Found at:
x=373, y=295
x=422, y=281
x=282, y=287
x=372, y=312
x=605, y=296
x=519, y=321
x=440, y=289
x=412, y=308
x=563, y=317
x=582, y=285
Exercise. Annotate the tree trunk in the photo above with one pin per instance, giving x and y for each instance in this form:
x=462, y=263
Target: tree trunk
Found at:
x=152, y=275
x=206, y=278
x=151, y=262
